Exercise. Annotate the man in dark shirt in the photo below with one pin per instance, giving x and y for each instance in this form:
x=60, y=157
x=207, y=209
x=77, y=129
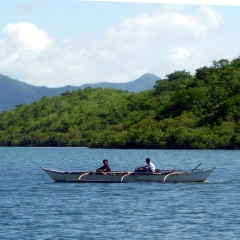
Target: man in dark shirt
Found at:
x=105, y=168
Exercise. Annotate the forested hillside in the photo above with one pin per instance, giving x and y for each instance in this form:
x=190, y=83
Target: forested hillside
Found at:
x=14, y=92
x=199, y=111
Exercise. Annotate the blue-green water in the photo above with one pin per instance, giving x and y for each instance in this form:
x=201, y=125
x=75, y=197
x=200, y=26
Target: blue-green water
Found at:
x=32, y=206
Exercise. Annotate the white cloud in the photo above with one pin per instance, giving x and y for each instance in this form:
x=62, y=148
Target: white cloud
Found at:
x=145, y=30
x=212, y=16
x=28, y=36
x=155, y=43
x=138, y=43
x=179, y=54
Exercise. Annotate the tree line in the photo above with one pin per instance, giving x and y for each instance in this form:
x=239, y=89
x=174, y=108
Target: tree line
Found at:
x=182, y=111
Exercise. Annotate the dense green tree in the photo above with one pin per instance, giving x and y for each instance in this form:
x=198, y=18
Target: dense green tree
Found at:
x=178, y=75
x=183, y=111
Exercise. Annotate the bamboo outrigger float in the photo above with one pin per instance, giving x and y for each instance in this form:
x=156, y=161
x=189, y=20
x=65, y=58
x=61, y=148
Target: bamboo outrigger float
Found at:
x=174, y=176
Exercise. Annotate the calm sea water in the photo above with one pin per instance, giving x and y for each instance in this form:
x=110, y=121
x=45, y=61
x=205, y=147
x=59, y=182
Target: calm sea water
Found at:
x=32, y=206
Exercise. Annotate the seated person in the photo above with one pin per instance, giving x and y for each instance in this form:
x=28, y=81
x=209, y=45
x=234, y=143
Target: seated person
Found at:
x=149, y=167
x=105, y=168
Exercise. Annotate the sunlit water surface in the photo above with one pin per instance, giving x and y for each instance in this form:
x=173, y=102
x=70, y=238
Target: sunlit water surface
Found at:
x=32, y=206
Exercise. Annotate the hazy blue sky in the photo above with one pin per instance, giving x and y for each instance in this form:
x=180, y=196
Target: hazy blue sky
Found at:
x=66, y=42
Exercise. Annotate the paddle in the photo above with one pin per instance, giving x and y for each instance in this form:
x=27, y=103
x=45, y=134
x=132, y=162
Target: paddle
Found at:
x=196, y=167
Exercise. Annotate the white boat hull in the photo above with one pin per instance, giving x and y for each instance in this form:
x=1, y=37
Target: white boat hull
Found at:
x=175, y=177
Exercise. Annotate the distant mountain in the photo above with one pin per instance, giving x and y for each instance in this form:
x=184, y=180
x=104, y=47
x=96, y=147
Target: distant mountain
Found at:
x=145, y=82
x=14, y=92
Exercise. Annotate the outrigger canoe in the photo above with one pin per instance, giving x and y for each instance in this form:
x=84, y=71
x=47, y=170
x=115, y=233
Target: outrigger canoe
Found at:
x=176, y=176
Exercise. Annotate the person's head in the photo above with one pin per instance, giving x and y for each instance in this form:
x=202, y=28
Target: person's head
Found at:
x=105, y=162
x=148, y=160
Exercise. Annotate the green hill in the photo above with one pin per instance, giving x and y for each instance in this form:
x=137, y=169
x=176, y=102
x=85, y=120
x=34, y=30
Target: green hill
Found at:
x=14, y=92
x=183, y=111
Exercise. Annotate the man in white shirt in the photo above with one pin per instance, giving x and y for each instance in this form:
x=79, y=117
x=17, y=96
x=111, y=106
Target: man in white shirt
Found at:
x=150, y=166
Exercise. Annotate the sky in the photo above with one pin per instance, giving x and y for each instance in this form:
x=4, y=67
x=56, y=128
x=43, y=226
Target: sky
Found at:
x=71, y=42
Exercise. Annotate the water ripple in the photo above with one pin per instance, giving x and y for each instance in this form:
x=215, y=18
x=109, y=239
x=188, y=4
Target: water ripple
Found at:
x=34, y=207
